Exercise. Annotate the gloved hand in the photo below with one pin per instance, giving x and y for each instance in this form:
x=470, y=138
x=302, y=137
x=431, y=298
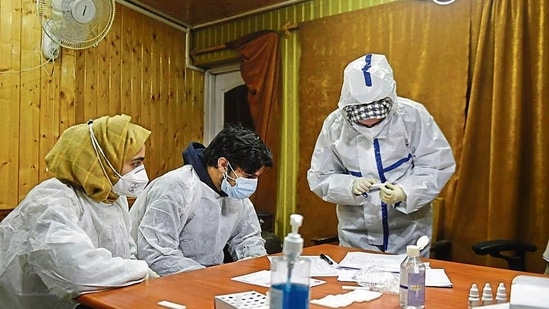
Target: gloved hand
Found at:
x=391, y=194
x=151, y=275
x=361, y=185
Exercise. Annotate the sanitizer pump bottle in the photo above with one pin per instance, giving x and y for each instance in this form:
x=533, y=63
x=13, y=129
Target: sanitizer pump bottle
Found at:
x=412, y=280
x=290, y=273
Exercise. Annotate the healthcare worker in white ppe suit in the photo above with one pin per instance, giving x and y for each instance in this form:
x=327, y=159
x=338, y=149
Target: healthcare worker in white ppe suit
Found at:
x=376, y=137
x=71, y=234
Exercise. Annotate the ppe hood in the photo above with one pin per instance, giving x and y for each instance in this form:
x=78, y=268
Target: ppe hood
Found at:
x=367, y=79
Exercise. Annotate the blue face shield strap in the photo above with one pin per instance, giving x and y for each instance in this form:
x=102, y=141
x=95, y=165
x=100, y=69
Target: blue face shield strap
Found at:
x=367, y=65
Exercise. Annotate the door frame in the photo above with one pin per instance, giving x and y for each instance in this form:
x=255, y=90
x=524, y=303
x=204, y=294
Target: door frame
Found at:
x=218, y=81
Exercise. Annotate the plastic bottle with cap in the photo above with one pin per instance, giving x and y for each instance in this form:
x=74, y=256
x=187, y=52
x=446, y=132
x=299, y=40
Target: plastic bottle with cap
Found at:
x=412, y=280
x=487, y=298
x=290, y=273
x=474, y=297
x=501, y=294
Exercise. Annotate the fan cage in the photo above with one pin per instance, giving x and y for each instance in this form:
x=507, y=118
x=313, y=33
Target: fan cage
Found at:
x=60, y=25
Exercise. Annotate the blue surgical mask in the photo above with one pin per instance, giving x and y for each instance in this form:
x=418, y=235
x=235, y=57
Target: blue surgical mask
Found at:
x=243, y=188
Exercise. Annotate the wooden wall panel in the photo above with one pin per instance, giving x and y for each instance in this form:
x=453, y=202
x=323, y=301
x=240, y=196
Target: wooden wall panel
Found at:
x=136, y=70
x=10, y=34
x=219, y=34
x=114, y=54
x=139, y=69
x=67, y=93
x=30, y=87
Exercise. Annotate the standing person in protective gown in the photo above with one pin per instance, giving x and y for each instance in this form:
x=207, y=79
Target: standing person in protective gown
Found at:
x=186, y=217
x=374, y=136
x=71, y=234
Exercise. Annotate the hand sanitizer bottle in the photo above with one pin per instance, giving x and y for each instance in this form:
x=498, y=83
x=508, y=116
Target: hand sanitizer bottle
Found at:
x=290, y=274
x=412, y=280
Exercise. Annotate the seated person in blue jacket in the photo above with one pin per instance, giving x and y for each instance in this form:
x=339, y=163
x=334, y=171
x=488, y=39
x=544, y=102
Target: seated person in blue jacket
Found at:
x=71, y=233
x=185, y=218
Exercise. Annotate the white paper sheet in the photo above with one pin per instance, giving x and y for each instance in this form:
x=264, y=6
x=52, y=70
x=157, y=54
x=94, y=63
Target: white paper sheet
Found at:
x=433, y=277
x=263, y=278
x=347, y=275
x=437, y=278
x=361, y=260
x=319, y=267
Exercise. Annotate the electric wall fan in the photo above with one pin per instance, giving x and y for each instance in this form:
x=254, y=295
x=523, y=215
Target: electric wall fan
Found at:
x=74, y=24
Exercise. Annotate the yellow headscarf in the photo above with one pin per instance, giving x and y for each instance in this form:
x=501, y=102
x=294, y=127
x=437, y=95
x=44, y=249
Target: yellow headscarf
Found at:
x=73, y=159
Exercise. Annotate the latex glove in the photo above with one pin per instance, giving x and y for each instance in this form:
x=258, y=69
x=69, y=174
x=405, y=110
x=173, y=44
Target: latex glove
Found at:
x=391, y=194
x=151, y=275
x=362, y=185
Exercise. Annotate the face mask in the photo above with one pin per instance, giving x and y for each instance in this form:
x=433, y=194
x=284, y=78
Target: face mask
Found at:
x=133, y=183
x=243, y=188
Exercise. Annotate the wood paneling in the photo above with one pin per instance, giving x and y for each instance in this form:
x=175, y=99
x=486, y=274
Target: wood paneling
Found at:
x=196, y=12
x=138, y=69
x=219, y=34
x=10, y=36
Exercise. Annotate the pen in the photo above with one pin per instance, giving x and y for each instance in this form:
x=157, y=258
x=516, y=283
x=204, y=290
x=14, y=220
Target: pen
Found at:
x=325, y=258
x=352, y=287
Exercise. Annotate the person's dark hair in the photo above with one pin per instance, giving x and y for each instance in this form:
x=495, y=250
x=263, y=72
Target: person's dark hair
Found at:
x=241, y=146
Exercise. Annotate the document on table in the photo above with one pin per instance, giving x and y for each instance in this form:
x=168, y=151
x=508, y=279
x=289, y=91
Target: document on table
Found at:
x=437, y=278
x=361, y=260
x=263, y=278
x=319, y=267
x=433, y=277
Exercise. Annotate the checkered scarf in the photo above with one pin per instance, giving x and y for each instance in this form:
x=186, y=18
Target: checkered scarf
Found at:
x=375, y=110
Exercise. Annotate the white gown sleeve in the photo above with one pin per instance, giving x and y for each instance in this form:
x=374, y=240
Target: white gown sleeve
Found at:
x=433, y=162
x=247, y=241
x=64, y=257
x=327, y=177
x=158, y=237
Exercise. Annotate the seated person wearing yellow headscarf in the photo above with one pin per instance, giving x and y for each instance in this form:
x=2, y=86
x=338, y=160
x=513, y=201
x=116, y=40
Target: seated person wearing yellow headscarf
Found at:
x=70, y=235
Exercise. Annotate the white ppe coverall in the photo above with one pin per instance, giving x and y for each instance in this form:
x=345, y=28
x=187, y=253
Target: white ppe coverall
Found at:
x=58, y=243
x=182, y=224
x=406, y=148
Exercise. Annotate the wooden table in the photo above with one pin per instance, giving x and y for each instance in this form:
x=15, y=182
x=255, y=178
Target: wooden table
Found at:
x=196, y=289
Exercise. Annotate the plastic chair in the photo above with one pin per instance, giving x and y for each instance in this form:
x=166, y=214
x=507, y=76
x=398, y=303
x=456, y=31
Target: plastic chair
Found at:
x=515, y=251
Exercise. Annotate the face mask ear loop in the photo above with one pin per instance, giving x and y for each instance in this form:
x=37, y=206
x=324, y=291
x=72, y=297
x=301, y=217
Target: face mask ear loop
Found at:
x=98, y=150
x=227, y=173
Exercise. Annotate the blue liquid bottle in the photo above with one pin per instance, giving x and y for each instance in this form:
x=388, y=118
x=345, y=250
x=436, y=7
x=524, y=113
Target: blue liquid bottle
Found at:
x=290, y=274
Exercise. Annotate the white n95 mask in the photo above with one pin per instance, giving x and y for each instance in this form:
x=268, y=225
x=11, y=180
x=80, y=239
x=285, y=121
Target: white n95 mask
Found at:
x=243, y=188
x=133, y=183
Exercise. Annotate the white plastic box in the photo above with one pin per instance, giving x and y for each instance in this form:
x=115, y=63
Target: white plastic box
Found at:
x=244, y=300
x=527, y=292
